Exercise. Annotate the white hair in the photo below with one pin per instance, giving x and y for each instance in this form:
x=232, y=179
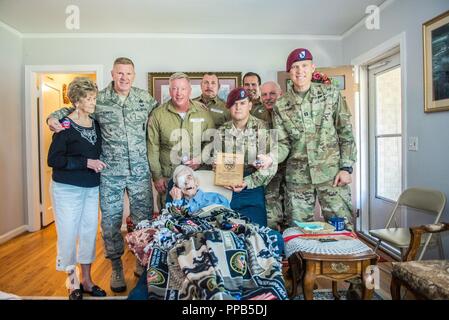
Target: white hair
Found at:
x=275, y=84
x=181, y=172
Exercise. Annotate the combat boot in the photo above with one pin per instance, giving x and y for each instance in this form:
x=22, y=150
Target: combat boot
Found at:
x=118, y=283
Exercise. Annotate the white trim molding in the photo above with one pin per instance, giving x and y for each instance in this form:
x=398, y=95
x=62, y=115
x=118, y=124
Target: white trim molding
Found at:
x=13, y=233
x=11, y=29
x=31, y=131
x=360, y=63
x=181, y=36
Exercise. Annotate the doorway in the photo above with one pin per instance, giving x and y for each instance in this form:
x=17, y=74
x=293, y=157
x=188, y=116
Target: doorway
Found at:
x=45, y=91
x=385, y=139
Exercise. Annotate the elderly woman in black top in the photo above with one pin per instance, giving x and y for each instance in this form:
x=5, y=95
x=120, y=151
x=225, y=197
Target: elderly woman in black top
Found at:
x=74, y=157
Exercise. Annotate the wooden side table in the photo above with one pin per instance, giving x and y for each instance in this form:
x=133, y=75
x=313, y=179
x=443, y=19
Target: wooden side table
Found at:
x=306, y=267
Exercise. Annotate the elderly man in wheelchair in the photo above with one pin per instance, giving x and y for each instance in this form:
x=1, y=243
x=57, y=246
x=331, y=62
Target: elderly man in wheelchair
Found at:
x=200, y=248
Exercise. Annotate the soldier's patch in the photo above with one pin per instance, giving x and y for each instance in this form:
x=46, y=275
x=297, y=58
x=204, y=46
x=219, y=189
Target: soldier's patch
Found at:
x=238, y=263
x=211, y=284
x=302, y=55
x=155, y=277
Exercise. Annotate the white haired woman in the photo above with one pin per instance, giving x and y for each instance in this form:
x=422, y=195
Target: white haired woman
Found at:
x=74, y=156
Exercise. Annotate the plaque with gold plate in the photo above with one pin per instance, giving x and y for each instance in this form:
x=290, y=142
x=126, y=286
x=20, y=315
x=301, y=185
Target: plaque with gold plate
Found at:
x=229, y=169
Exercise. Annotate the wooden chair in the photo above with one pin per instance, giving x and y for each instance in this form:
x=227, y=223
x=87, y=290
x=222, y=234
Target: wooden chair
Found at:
x=425, y=279
x=425, y=200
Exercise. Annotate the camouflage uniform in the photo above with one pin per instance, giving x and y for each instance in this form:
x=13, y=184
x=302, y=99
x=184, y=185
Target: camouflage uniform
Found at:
x=124, y=134
x=275, y=190
x=246, y=142
x=163, y=138
x=274, y=200
x=217, y=107
x=315, y=136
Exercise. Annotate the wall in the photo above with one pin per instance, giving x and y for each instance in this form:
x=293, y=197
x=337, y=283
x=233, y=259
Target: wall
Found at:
x=12, y=145
x=428, y=167
x=158, y=55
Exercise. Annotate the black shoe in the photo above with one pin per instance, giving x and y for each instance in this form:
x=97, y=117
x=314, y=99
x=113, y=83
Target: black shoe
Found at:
x=76, y=294
x=96, y=291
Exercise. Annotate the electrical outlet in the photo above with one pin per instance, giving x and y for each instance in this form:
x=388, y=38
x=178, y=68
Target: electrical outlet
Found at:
x=413, y=143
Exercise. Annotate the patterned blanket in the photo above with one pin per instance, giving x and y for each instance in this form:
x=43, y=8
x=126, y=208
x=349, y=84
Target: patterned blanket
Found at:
x=214, y=253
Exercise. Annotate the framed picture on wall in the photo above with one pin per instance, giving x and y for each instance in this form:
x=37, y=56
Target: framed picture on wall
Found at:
x=158, y=84
x=436, y=63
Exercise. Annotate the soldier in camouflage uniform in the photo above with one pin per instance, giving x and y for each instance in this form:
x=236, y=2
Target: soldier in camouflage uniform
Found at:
x=315, y=136
x=175, y=132
x=249, y=136
x=122, y=112
x=275, y=190
x=209, y=97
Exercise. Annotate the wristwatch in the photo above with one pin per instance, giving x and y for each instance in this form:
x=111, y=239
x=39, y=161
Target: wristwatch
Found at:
x=347, y=169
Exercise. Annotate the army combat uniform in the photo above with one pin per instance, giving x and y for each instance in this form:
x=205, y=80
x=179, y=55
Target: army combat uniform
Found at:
x=217, y=108
x=275, y=190
x=253, y=140
x=247, y=142
x=123, y=123
x=315, y=136
x=170, y=137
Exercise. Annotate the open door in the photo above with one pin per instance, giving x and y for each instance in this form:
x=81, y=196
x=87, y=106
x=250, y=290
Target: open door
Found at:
x=49, y=101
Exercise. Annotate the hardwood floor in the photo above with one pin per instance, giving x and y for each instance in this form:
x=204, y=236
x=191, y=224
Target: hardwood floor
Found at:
x=27, y=266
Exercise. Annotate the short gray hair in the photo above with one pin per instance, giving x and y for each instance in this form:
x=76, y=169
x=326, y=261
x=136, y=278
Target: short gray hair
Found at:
x=179, y=75
x=276, y=85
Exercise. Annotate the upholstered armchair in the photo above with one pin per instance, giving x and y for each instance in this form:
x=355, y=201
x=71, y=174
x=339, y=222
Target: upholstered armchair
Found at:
x=425, y=279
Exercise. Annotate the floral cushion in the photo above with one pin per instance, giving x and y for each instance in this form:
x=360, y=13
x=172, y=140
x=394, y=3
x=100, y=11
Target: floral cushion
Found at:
x=429, y=278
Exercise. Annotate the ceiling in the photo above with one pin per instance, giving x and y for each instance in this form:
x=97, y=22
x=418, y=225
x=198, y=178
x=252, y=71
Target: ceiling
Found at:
x=248, y=17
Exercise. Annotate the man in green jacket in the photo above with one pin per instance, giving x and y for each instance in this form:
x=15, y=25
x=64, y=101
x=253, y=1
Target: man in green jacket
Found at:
x=315, y=137
x=209, y=97
x=175, y=133
x=122, y=112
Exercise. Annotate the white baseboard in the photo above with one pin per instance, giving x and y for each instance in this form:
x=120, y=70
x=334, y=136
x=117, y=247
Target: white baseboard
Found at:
x=13, y=233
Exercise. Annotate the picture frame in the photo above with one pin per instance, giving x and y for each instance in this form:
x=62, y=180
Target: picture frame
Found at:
x=158, y=84
x=436, y=63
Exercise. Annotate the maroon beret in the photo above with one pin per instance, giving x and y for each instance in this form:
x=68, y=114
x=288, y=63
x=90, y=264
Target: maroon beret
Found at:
x=236, y=94
x=299, y=54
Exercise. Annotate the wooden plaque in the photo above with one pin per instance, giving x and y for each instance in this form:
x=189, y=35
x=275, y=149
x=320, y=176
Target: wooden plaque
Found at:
x=229, y=169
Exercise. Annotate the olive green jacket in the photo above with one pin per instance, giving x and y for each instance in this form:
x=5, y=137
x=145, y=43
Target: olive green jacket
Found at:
x=217, y=108
x=170, y=137
x=259, y=111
